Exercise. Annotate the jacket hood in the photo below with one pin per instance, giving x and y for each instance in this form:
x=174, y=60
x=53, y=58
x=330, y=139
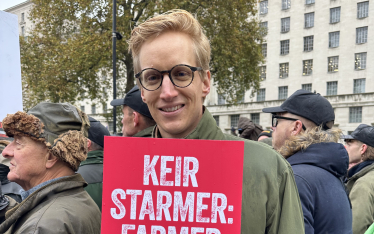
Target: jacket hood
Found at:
x=318, y=148
x=250, y=129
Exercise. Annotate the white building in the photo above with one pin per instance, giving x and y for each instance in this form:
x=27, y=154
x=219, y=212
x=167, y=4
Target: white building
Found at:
x=318, y=45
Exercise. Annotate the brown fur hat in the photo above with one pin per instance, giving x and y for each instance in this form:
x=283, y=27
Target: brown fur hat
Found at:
x=61, y=126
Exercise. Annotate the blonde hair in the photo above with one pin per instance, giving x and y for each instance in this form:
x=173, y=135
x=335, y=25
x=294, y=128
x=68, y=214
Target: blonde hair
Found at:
x=368, y=154
x=174, y=20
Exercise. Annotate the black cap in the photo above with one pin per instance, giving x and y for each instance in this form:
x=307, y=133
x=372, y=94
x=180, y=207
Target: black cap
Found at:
x=97, y=132
x=265, y=133
x=363, y=133
x=309, y=105
x=134, y=100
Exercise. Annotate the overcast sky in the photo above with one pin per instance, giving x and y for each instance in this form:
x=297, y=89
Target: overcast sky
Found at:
x=5, y=4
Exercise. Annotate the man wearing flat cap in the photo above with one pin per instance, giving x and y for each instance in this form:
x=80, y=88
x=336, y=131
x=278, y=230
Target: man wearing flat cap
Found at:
x=360, y=184
x=92, y=168
x=303, y=134
x=49, y=144
x=137, y=120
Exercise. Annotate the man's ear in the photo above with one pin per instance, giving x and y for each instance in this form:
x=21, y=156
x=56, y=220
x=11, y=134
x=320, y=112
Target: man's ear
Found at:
x=89, y=143
x=135, y=118
x=206, y=83
x=51, y=161
x=363, y=149
x=298, y=127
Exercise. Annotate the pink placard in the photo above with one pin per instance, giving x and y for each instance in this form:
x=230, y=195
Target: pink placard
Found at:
x=172, y=186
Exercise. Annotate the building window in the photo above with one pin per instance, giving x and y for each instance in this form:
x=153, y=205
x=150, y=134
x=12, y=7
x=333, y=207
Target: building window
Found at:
x=110, y=126
x=334, y=15
x=332, y=88
x=307, y=67
x=334, y=39
x=263, y=73
x=264, y=28
x=359, y=85
x=234, y=119
x=355, y=114
x=264, y=50
x=285, y=47
x=83, y=108
x=308, y=43
x=309, y=20
x=255, y=117
x=286, y=4
x=307, y=87
x=221, y=99
x=362, y=9
x=333, y=64
x=285, y=25
x=263, y=7
x=216, y=118
x=105, y=108
x=283, y=70
x=307, y=2
x=23, y=31
x=22, y=17
x=93, y=109
x=360, y=61
x=261, y=93
x=282, y=92
x=361, y=35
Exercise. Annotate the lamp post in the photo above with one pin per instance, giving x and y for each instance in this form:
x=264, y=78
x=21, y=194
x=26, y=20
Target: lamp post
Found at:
x=114, y=39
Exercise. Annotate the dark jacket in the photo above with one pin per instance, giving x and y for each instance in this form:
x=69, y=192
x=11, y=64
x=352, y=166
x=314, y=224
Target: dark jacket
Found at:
x=8, y=188
x=270, y=202
x=92, y=172
x=319, y=169
x=60, y=207
x=360, y=186
x=250, y=129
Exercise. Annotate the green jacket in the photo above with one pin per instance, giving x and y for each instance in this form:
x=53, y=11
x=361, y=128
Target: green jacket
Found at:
x=271, y=202
x=361, y=192
x=145, y=132
x=92, y=172
x=59, y=207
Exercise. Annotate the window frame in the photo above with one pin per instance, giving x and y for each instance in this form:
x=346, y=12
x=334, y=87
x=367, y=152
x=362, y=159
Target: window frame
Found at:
x=334, y=39
x=284, y=70
x=285, y=47
x=264, y=7
x=261, y=95
x=283, y=92
x=334, y=67
x=331, y=88
x=286, y=4
x=307, y=40
x=307, y=67
x=309, y=20
x=362, y=33
x=362, y=10
x=285, y=24
x=359, y=85
x=255, y=117
x=355, y=114
x=333, y=11
x=303, y=86
x=264, y=49
x=262, y=73
x=360, y=61
x=234, y=118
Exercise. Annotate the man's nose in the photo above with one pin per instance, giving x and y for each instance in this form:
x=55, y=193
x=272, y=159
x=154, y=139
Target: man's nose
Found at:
x=7, y=152
x=168, y=90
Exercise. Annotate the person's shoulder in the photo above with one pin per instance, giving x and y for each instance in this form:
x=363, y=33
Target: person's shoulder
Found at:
x=147, y=132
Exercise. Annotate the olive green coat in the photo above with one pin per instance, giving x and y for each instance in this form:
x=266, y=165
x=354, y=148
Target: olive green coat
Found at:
x=60, y=207
x=271, y=202
x=361, y=192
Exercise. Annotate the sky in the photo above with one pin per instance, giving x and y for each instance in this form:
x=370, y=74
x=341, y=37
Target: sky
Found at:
x=5, y=4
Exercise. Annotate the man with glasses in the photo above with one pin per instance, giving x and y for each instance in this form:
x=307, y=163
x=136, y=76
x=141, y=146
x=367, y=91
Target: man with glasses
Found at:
x=303, y=134
x=171, y=61
x=360, y=147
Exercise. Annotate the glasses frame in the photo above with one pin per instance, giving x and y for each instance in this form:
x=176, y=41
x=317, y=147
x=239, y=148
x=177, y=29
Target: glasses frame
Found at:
x=286, y=118
x=193, y=69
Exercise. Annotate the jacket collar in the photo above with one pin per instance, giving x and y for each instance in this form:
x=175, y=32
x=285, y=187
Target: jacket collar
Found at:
x=206, y=129
x=94, y=157
x=34, y=199
x=361, y=169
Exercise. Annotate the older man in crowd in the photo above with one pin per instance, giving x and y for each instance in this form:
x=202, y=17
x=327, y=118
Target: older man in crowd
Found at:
x=92, y=168
x=171, y=60
x=360, y=184
x=303, y=134
x=137, y=121
x=49, y=144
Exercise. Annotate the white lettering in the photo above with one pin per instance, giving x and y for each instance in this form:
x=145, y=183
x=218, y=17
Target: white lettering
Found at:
x=188, y=206
x=212, y=231
x=178, y=171
x=156, y=229
x=200, y=207
x=133, y=194
x=219, y=209
x=149, y=169
x=163, y=206
x=172, y=230
x=147, y=202
x=126, y=227
x=195, y=230
x=192, y=173
x=165, y=170
x=141, y=230
x=121, y=207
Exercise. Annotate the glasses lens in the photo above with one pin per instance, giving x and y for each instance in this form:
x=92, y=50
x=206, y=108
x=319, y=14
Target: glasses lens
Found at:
x=151, y=79
x=181, y=75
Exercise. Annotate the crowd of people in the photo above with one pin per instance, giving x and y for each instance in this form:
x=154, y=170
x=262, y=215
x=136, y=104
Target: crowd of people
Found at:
x=297, y=181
